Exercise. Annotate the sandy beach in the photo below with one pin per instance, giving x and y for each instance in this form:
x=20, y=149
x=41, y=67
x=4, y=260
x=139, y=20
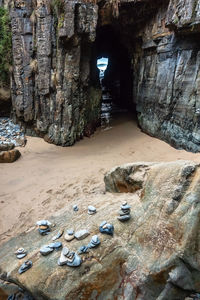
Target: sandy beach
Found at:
x=48, y=179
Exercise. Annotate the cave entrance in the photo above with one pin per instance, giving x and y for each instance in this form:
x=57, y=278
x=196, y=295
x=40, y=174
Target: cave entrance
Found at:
x=115, y=75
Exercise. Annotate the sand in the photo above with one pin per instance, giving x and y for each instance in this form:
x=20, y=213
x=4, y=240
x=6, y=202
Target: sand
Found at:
x=48, y=179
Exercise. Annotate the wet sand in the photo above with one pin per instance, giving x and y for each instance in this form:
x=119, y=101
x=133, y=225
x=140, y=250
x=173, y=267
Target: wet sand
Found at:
x=48, y=179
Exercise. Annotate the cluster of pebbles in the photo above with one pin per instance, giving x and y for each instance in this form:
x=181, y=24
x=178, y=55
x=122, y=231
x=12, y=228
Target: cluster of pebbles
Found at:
x=124, y=213
x=67, y=257
x=44, y=227
x=20, y=253
x=11, y=133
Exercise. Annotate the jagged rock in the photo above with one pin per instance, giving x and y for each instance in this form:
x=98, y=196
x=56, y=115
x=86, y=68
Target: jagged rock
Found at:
x=9, y=156
x=58, y=39
x=153, y=256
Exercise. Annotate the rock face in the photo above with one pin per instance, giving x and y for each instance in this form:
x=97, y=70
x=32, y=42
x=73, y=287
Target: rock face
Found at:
x=154, y=255
x=52, y=49
x=55, y=90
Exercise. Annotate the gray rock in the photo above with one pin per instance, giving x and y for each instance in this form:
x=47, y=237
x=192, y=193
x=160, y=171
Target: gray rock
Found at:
x=45, y=250
x=43, y=223
x=124, y=218
x=75, y=207
x=20, y=256
x=58, y=235
x=91, y=210
x=81, y=234
x=95, y=241
x=25, y=266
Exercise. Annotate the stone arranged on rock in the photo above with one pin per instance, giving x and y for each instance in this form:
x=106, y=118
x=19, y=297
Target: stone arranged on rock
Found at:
x=43, y=223
x=57, y=245
x=94, y=242
x=69, y=258
x=58, y=235
x=20, y=253
x=46, y=249
x=91, y=210
x=44, y=227
x=124, y=213
x=106, y=228
x=81, y=234
x=69, y=236
x=25, y=266
x=83, y=249
x=75, y=207
x=9, y=156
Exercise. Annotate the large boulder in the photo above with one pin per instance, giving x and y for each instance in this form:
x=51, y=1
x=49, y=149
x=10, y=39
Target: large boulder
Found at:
x=155, y=255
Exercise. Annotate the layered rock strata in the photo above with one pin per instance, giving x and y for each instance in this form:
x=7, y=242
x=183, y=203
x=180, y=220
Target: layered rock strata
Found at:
x=51, y=94
x=55, y=91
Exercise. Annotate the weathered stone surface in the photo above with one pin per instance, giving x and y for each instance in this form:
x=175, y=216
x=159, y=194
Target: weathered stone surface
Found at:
x=153, y=256
x=128, y=178
x=184, y=15
x=9, y=156
x=51, y=57
x=55, y=86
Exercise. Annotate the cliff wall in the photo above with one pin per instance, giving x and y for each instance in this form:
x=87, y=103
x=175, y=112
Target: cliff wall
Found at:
x=55, y=87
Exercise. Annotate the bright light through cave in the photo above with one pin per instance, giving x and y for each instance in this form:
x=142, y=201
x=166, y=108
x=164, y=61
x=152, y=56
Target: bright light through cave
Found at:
x=102, y=64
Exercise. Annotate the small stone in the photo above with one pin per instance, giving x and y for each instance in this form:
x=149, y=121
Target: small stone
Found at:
x=91, y=210
x=124, y=207
x=124, y=213
x=68, y=237
x=45, y=250
x=43, y=222
x=63, y=257
x=94, y=242
x=83, y=249
x=75, y=207
x=58, y=235
x=65, y=251
x=20, y=251
x=106, y=228
x=43, y=227
x=81, y=234
x=56, y=245
x=20, y=256
x=25, y=266
x=70, y=231
x=124, y=218
x=44, y=231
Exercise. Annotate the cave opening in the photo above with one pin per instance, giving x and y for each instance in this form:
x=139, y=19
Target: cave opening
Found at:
x=115, y=75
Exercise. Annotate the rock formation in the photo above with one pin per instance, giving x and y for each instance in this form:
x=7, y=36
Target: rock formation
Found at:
x=154, y=255
x=55, y=85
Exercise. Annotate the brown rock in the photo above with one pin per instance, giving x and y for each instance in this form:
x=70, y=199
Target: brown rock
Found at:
x=9, y=156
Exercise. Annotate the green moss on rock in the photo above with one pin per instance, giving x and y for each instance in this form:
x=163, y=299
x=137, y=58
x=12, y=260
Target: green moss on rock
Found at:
x=5, y=46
